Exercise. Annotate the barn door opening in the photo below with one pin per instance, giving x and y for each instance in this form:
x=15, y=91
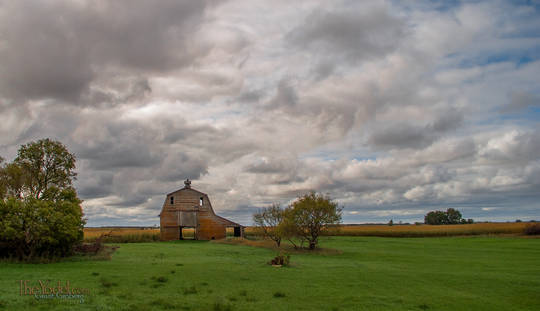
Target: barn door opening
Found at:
x=187, y=233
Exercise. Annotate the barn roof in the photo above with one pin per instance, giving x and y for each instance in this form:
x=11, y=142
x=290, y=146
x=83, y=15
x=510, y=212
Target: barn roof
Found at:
x=229, y=223
x=187, y=184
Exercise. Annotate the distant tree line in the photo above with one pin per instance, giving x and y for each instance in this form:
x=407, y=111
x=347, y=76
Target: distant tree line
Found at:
x=301, y=222
x=40, y=213
x=450, y=217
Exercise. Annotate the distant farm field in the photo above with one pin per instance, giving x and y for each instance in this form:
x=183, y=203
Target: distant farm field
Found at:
x=368, y=273
x=430, y=230
x=120, y=235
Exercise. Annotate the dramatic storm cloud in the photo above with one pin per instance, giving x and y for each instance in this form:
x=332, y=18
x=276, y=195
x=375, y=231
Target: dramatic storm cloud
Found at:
x=392, y=108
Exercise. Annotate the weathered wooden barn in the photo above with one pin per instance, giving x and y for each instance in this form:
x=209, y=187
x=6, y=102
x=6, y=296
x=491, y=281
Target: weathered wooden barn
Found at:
x=188, y=208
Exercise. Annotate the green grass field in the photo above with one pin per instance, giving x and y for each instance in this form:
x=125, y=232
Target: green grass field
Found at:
x=460, y=273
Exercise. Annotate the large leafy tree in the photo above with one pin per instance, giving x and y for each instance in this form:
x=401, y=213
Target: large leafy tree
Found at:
x=46, y=163
x=40, y=213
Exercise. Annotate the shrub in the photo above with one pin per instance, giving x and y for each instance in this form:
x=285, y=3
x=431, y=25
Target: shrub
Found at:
x=279, y=294
x=190, y=290
x=533, y=229
x=33, y=228
x=280, y=260
x=162, y=279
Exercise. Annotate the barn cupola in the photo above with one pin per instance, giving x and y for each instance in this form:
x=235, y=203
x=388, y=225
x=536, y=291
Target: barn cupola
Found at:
x=187, y=184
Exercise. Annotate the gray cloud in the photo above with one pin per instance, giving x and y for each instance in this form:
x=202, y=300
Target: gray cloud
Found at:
x=370, y=32
x=56, y=49
x=285, y=96
x=407, y=135
x=520, y=100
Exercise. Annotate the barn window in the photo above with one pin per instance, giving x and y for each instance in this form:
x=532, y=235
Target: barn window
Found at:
x=172, y=200
x=200, y=201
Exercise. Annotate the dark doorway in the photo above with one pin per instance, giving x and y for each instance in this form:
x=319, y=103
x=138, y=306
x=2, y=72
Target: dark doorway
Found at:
x=237, y=231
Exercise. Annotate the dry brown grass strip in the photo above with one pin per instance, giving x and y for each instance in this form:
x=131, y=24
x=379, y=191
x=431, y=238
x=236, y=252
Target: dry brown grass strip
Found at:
x=269, y=244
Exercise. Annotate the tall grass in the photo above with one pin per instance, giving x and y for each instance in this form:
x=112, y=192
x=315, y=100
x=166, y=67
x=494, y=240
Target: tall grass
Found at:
x=122, y=235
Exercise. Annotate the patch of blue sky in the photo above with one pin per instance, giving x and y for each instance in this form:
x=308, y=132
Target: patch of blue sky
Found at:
x=431, y=5
x=364, y=158
x=524, y=118
x=325, y=155
x=532, y=3
x=529, y=115
x=519, y=58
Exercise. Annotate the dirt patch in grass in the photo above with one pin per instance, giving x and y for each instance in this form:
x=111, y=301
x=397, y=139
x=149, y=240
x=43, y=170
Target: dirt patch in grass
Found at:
x=285, y=247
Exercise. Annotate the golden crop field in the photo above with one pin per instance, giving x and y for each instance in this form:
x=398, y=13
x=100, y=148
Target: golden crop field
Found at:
x=422, y=230
x=122, y=234
x=152, y=234
x=430, y=230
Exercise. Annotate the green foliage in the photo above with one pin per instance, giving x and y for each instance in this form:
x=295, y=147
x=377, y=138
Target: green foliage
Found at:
x=46, y=164
x=391, y=222
x=309, y=216
x=40, y=213
x=13, y=179
x=32, y=228
x=304, y=220
x=450, y=217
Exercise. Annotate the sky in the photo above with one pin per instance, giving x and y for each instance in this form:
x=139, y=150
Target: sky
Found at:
x=392, y=108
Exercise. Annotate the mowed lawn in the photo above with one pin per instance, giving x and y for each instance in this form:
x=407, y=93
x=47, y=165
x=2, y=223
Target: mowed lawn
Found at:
x=371, y=273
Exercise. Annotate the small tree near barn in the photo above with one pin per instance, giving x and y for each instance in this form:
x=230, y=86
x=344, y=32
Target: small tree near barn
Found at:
x=268, y=220
x=311, y=214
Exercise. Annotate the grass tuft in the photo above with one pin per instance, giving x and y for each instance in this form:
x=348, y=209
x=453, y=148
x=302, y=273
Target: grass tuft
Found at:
x=107, y=283
x=219, y=306
x=165, y=304
x=162, y=279
x=190, y=290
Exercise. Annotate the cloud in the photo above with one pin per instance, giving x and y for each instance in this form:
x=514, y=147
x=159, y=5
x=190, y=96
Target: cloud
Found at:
x=393, y=109
x=356, y=35
x=57, y=49
x=405, y=135
x=520, y=100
